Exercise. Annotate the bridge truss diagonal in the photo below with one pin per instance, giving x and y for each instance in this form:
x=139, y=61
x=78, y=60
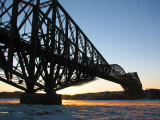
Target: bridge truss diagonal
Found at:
x=42, y=48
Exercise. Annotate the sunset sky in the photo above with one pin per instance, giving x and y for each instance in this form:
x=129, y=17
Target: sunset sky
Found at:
x=126, y=32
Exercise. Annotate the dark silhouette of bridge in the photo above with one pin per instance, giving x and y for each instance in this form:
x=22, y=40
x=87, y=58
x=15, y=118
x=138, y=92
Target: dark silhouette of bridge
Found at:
x=42, y=48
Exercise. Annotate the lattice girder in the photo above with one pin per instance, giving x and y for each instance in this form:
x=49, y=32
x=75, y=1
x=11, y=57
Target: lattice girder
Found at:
x=45, y=49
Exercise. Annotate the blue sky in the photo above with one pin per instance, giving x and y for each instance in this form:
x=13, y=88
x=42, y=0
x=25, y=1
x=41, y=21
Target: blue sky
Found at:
x=126, y=32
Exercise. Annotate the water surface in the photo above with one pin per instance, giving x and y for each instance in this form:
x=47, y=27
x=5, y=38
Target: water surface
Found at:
x=10, y=109
x=95, y=102
x=110, y=102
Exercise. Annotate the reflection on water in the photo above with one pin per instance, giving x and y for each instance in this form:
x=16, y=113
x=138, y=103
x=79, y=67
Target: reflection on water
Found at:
x=95, y=102
x=4, y=112
x=110, y=102
x=114, y=109
x=82, y=109
x=9, y=101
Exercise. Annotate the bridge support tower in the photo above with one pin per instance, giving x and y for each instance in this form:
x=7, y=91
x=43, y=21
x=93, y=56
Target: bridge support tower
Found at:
x=41, y=99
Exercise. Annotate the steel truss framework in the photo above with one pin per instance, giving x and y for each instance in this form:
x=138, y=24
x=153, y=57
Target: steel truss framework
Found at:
x=42, y=48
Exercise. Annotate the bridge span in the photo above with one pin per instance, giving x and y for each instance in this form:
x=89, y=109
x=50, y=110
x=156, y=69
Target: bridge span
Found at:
x=42, y=48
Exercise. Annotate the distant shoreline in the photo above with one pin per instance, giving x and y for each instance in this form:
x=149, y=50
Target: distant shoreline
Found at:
x=116, y=95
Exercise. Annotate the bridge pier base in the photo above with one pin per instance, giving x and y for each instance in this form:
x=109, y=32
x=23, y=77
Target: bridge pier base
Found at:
x=41, y=99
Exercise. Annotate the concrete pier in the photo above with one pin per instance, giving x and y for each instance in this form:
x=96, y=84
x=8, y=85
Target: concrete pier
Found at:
x=41, y=99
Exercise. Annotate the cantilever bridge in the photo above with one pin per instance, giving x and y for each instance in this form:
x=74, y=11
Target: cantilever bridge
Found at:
x=42, y=48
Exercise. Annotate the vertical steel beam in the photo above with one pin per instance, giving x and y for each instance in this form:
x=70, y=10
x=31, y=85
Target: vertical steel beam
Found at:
x=34, y=39
x=12, y=36
x=50, y=83
x=85, y=57
x=92, y=61
x=48, y=35
x=97, y=65
x=76, y=46
x=59, y=43
x=76, y=52
x=66, y=38
x=66, y=48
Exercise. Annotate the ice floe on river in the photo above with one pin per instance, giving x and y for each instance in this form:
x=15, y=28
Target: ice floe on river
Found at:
x=68, y=112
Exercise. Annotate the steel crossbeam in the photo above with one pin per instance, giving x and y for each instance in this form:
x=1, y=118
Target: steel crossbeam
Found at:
x=42, y=45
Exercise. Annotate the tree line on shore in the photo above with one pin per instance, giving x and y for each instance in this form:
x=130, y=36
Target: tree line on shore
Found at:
x=119, y=95
x=116, y=95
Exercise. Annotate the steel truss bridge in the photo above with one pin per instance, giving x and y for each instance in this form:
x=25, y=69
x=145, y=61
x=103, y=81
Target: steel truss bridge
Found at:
x=42, y=48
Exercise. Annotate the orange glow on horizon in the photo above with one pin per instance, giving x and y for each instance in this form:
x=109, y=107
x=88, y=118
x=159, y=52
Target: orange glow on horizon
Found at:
x=105, y=103
x=9, y=101
x=99, y=85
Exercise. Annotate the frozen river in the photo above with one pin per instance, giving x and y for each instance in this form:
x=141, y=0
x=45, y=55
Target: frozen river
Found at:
x=10, y=109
